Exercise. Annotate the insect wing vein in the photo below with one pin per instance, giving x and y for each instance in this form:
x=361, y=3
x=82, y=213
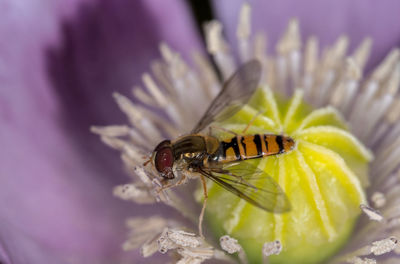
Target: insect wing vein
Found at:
x=266, y=195
x=234, y=94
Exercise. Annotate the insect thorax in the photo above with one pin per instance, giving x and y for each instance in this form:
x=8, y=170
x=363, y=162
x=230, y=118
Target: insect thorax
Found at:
x=193, y=145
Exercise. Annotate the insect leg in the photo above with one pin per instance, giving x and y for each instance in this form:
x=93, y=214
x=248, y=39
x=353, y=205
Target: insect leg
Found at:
x=203, y=181
x=172, y=185
x=251, y=122
x=148, y=160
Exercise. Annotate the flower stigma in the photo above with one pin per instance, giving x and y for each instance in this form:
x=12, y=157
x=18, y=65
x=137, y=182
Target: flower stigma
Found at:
x=346, y=132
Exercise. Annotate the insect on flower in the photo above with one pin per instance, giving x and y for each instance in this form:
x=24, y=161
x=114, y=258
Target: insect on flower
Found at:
x=206, y=156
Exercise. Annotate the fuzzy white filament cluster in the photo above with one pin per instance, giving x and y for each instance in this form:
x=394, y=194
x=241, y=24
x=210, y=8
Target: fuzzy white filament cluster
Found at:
x=175, y=96
x=231, y=246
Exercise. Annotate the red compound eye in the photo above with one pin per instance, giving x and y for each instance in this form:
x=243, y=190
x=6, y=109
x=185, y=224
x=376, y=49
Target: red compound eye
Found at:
x=164, y=161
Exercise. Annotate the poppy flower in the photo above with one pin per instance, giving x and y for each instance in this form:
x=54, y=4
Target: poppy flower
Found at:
x=61, y=61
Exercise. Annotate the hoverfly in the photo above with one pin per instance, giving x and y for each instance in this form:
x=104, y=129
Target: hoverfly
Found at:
x=208, y=157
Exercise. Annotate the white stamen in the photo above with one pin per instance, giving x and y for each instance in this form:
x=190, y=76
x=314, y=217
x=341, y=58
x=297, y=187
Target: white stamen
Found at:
x=217, y=46
x=183, y=238
x=393, y=81
x=232, y=246
x=215, y=43
x=154, y=90
x=164, y=243
x=291, y=38
x=393, y=114
x=384, y=69
x=111, y=131
x=377, y=248
x=358, y=115
x=361, y=54
x=383, y=246
x=166, y=52
x=310, y=66
x=195, y=255
x=198, y=252
x=243, y=32
x=127, y=107
x=229, y=244
x=344, y=93
x=353, y=71
x=148, y=248
x=376, y=109
x=143, y=176
x=136, y=118
x=272, y=248
x=189, y=260
x=188, y=245
x=164, y=124
x=171, y=239
x=211, y=83
x=160, y=70
x=140, y=195
x=371, y=213
x=141, y=95
x=123, y=146
x=311, y=55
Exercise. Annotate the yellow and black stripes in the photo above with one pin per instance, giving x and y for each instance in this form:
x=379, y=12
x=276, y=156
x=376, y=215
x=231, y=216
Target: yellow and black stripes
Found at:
x=230, y=149
x=251, y=147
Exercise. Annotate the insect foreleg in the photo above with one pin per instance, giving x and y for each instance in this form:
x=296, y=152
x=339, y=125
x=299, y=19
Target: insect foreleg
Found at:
x=203, y=181
x=172, y=185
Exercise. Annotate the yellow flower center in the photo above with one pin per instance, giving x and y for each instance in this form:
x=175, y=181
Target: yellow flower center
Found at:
x=323, y=177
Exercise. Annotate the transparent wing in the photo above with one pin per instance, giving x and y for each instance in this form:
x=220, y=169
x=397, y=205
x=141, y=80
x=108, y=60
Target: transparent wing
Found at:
x=251, y=184
x=234, y=94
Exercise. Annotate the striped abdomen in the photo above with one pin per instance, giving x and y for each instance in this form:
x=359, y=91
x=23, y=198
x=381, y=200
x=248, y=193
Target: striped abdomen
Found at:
x=251, y=147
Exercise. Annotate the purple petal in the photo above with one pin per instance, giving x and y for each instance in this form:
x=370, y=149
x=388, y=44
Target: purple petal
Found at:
x=59, y=63
x=325, y=19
